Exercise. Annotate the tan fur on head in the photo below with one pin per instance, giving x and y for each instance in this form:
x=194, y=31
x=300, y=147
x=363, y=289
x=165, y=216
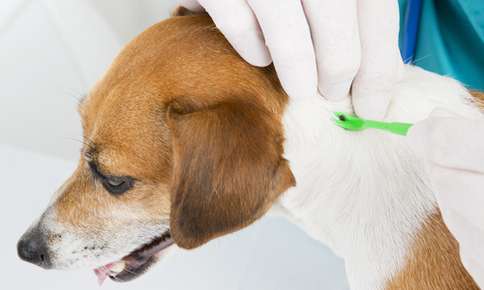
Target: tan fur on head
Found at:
x=196, y=127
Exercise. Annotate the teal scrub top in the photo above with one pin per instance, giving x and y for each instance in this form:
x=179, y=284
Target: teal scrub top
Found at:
x=450, y=39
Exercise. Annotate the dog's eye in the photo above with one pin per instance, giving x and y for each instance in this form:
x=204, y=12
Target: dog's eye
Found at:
x=118, y=185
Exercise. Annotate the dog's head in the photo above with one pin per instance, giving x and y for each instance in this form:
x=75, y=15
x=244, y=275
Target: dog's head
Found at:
x=183, y=143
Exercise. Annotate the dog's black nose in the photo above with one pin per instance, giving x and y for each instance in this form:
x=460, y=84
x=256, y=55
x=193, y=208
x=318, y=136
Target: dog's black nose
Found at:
x=32, y=248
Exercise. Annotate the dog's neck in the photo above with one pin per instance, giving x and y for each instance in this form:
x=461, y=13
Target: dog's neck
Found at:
x=352, y=190
x=363, y=194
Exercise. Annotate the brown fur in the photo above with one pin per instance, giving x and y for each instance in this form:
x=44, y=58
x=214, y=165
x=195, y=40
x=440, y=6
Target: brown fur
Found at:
x=433, y=263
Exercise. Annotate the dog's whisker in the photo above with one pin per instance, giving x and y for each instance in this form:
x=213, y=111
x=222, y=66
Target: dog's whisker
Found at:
x=130, y=271
x=87, y=143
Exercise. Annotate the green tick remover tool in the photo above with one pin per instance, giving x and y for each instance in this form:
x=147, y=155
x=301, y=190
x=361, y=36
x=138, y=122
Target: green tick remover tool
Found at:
x=353, y=123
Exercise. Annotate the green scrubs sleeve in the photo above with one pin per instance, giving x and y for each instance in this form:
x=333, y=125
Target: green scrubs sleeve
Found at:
x=450, y=39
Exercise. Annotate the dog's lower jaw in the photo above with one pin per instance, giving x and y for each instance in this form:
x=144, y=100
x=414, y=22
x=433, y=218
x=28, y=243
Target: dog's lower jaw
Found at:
x=365, y=194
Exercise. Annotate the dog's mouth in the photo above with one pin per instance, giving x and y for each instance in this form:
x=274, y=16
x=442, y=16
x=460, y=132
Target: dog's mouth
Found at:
x=136, y=263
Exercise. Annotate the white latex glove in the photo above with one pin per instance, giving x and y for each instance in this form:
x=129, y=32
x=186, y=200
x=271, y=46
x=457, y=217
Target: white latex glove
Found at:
x=454, y=149
x=317, y=46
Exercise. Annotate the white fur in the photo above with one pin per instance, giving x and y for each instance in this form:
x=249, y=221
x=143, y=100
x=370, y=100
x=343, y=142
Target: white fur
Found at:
x=365, y=194
x=90, y=246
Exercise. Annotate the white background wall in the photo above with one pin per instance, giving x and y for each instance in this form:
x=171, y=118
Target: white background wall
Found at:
x=51, y=52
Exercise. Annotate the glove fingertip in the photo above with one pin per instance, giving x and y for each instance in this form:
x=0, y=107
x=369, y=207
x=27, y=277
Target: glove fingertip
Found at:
x=258, y=58
x=251, y=48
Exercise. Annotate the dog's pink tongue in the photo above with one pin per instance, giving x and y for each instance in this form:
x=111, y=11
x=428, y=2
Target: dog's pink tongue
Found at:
x=102, y=273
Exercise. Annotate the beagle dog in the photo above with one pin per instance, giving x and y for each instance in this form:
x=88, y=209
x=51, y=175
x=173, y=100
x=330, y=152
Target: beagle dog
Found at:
x=185, y=142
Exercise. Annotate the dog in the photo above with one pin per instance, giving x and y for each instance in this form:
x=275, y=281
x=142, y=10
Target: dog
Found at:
x=185, y=142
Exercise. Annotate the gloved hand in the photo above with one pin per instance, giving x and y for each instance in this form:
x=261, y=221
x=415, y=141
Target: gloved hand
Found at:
x=454, y=149
x=318, y=46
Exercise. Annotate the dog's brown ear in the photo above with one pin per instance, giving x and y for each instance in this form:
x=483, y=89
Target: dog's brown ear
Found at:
x=228, y=169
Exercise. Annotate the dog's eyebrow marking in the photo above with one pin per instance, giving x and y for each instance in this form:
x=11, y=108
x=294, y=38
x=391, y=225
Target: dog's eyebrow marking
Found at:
x=93, y=166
